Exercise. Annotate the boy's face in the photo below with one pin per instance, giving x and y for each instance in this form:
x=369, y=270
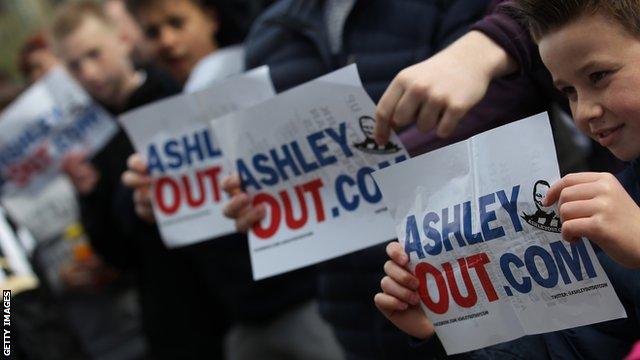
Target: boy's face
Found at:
x=98, y=59
x=595, y=62
x=181, y=34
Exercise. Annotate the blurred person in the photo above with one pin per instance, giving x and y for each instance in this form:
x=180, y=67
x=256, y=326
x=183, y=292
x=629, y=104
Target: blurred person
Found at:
x=273, y=318
x=141, y=52
x=198, y=41
x=36, y=58
x=98, y=57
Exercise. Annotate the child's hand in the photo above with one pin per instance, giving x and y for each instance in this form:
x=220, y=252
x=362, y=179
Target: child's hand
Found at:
x=399, y=301
x=240, y=208
x=596, y=206
x=438, y=92
x=136, y=177
x=81, y=172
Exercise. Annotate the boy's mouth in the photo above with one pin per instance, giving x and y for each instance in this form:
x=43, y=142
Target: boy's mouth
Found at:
x=607, y=136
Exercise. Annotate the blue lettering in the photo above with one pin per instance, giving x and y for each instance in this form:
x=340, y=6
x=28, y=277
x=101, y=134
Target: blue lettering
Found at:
x=306, y=167
x=246, y=178
x=260, y=164
x=488, y=216
x=341, y=138
x=468, y=225
x=412, y=238
x=505, y=261
x=153, y=161
x=284, y=162
x=530, y=261
x=511, y=206
x=171, y=149
x=573, y=260
x=432, y=234
x=319, y=150
x=340, y=192
x=451, y=227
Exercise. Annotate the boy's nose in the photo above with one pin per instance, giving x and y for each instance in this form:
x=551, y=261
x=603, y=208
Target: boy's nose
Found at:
x=168, y=38
x=587, y=111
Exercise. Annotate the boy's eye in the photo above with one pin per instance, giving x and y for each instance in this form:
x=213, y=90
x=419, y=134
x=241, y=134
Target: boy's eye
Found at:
x=152, y=32
x=94, y=53
x=175, y=22
x=568, y=91
x=598, y=76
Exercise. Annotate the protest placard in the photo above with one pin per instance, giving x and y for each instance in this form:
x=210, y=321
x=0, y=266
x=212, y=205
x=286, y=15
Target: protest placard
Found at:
x=184, y=156
x=45, y=213
x=307, y=156
x=490, y=258
x=51, y=118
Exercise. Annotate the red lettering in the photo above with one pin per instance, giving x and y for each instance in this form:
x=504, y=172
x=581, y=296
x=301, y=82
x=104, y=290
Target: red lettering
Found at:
x=161, y=184
x=288, y=209
x=22, y=173
x=270, y=230
x=314, y=188
x=478, y=262
x=186, y=182
x=471, y=298
x=213, y=174
x=442, y=305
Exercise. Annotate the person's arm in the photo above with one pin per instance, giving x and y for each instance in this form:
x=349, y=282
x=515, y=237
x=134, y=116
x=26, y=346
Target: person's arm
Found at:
x=438, y=92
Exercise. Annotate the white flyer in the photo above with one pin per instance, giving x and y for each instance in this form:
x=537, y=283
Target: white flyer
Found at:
x=490, y=259
x=46, y=212
x=51, y=118
x=307, y=156
x=184, y=156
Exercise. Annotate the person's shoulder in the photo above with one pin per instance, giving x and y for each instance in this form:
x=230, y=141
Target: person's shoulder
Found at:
x=274, y=11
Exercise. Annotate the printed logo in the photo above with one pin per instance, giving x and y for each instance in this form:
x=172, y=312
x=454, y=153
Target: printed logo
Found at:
x=544, y=218
x=369, y=145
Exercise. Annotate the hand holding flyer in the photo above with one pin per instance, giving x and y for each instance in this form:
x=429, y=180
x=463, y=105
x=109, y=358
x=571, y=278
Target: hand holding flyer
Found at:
x=184, y=157
x=489, y=257
x=307, y=157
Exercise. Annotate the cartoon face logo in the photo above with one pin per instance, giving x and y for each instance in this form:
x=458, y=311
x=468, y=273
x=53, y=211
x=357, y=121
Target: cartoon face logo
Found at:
x=544, y=218
x=369, y=145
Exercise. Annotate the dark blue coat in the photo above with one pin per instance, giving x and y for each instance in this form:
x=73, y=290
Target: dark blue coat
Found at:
x=382, y=37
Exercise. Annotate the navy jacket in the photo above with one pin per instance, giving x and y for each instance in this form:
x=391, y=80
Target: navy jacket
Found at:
x=382, y=37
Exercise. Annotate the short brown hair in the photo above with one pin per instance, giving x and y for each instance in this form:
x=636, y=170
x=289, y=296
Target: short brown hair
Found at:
x=543, y=16
x=68, y=17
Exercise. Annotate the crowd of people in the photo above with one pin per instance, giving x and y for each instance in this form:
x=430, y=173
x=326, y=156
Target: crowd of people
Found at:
x=439, y=71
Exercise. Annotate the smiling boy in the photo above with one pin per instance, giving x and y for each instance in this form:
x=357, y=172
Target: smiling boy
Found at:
x=592, y=50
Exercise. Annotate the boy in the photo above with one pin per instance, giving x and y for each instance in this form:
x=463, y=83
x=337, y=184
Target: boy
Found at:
x=97, y=56
x=600, y=76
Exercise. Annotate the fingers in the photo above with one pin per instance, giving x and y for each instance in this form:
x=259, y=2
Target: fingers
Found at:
x=233, y=208
x=575, y=229
x=143, y=204
x=450, y=119
x=570, y=180
x=397, y=254
x=232, y=184
x=577, y=209
x=388, y=304
x=249, y=217
x=391, y=287
x=385, y=109
x=428, y=117
x=401, y=275
x=406, y=110
x=135, y=179
x=136, y=163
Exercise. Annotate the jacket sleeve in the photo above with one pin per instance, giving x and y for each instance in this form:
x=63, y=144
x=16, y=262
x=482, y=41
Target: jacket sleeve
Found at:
x=105, y=214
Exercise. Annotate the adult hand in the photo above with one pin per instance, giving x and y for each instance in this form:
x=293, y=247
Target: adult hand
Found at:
x=399, y=301
x=438, y=92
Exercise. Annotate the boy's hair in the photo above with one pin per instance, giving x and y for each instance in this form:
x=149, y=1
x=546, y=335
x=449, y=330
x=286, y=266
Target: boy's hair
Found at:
x=543, y=16
x=32, y=44
x=235, y=16
x=68, y=17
